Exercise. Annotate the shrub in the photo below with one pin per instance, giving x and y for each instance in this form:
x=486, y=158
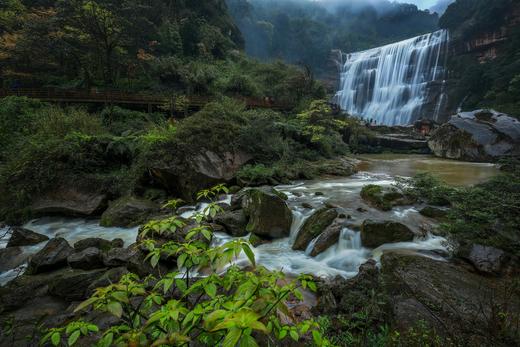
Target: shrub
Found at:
x=119, y=120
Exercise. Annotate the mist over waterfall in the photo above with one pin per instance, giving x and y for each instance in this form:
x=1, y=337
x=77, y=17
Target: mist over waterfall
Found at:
x=397, y=83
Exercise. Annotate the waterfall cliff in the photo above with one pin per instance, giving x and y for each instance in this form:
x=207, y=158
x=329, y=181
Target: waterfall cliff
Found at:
x=397, y=83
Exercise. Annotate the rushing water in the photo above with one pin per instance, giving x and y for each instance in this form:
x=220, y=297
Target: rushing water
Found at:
x=341, y=259
x=390, y=84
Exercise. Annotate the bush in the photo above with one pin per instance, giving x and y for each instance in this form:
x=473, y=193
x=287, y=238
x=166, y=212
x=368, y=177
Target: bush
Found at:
x=119, y=120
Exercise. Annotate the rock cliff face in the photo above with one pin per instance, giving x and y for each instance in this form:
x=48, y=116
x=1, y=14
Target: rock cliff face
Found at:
x=477, y=136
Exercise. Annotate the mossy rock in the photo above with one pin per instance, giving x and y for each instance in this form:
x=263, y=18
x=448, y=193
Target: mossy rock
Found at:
x=384, y=198
x=128, y=211
x=269, y=215
x=314, y=226
x=377, y=233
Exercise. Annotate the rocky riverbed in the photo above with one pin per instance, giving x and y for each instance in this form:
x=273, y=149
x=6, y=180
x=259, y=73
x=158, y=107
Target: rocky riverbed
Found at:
x=328, y=228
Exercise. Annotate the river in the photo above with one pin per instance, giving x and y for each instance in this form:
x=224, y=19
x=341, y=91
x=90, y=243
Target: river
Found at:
x=341, y=259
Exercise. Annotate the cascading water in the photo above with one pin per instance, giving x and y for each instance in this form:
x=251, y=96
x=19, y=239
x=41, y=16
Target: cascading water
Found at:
x=391, y=84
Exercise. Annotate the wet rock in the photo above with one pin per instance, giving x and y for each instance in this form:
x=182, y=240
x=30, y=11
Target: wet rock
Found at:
x=25, y=237
x=52, y=256
x=383, y=198
x=72, y=284
x=200, y=171
x=87, y=259
x=107, y=278
x=433, y=212
x=444, y=295
x=133, y=259
x=234, y=222
x=307, y=206
x=482, y=135
x=69, y=201
x=377, y=233
x=314, y=226
x=96, y=242
x=328, y=238
x=341, y=167
x=319, y=194
x=486, y=259
x=128, y=212
x=269, y=215
x=345, y=296
x=67, y=284
x=361, y=210
x=11, y=258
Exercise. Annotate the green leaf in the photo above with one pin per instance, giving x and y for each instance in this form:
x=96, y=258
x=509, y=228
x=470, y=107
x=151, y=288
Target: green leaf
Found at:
x=73, y=338
x=120, y=296
x=294, y=335
x=85, y=304
x=154, y=260
x=249, y=253
x=55, y=338
x=316, y=336
x=232, y=338
x=181, y=260
x=283, y=333
x=312, y=286
x=115, y=309
x=211, y=290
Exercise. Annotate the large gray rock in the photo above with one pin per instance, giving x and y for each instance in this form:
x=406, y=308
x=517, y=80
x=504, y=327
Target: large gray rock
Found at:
x=25, y=237
x=384, y=198
x=482, y=135
x=11, y=258
x=377, y=233
x=185, y=178
x=234, y=222
x=269, y=215
x=52, y=256
x=446, y=296
x=87, y=259
x=69, y=201
x=314, y=226
x=328, y=238
x=489, y=260
x=127, y=212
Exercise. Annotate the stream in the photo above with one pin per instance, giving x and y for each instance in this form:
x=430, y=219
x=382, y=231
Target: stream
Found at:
x=341, y=259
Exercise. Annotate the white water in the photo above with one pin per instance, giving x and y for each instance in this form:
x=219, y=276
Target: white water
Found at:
x=390, y=84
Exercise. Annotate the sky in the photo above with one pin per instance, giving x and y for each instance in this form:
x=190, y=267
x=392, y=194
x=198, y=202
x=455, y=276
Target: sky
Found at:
x=422, y=4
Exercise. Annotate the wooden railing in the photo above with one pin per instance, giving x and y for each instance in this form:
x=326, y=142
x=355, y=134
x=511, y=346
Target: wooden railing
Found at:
x=118, y=97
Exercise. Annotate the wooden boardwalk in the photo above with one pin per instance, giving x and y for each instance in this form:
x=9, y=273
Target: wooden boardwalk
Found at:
x=150, y=101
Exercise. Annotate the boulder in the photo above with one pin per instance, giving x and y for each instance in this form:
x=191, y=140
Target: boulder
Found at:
x=346, y=296
x=328, y=238
x=377, y=233
x=11, y=258
x=269, y=215
x=486, y=259
x=342, y=166
x=25, y=237
x=109, y=277
x=481, y=136
x=69, y=201
x=87, y=259
x=234, y=222
x=133, y=259
x=446, y=296
x=314, y=226
x=52, y=256
x=67, y=284
x=203, y=170
x=96, y=242
x=383, y=198
x=128, y=212
x=433, y=212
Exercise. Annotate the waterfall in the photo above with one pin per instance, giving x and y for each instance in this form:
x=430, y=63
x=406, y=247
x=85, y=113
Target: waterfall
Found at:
x=393, y=83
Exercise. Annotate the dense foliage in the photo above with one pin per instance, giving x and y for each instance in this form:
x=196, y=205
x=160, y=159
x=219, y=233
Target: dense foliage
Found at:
x=45, y=146
x=174, y=47
x=305, y=32
x=486, y=214
x=492, y=81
